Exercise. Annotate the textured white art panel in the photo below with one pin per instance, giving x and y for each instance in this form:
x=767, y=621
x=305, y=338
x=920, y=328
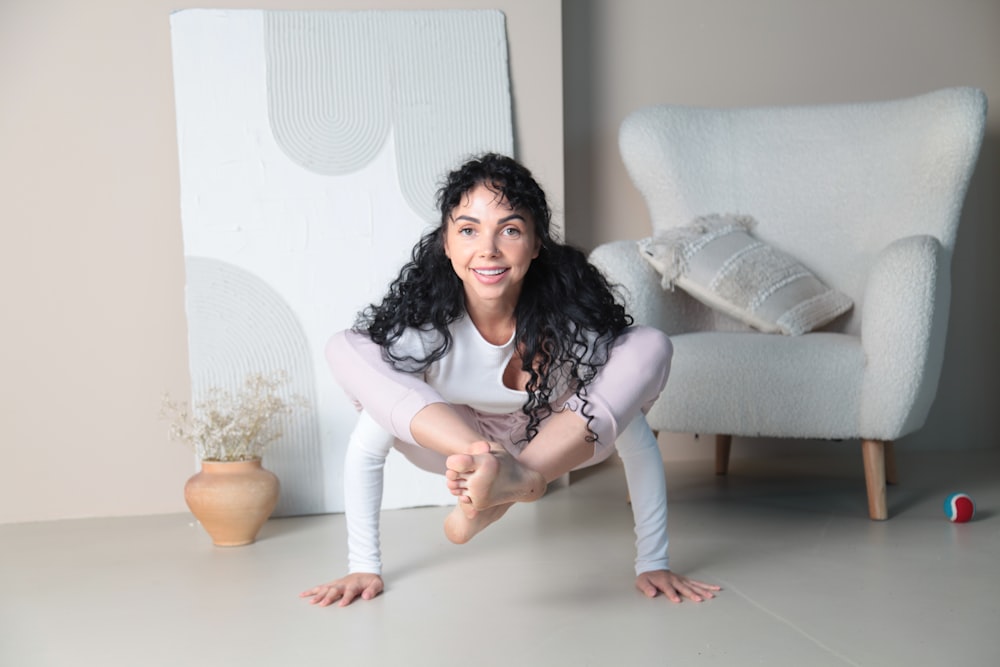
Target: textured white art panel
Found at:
x=311, y=147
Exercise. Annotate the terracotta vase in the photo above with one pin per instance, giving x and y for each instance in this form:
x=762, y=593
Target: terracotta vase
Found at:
x=232, y=500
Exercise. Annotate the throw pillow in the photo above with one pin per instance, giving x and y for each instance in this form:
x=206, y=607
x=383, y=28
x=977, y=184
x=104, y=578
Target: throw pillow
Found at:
x=716, y=260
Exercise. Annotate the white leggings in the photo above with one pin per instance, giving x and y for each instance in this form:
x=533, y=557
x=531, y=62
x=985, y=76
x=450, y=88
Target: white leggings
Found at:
x=625, y=387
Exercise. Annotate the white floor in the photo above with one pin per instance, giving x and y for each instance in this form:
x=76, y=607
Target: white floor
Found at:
x=808, y=579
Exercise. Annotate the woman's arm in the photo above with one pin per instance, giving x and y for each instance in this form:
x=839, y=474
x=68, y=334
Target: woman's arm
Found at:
x=640, y=454
x=364, y=463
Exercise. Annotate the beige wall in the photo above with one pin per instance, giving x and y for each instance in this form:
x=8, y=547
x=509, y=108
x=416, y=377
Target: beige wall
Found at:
x=623, y=54
x=92, y=260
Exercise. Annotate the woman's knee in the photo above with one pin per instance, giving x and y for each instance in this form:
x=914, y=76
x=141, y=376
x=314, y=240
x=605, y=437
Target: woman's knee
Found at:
x=340, y=350
x=647, y=352
x=357, y=365
x=654, y=344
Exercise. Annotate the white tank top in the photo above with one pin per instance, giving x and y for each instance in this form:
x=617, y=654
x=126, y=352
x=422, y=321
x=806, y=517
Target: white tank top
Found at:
x=472, y=372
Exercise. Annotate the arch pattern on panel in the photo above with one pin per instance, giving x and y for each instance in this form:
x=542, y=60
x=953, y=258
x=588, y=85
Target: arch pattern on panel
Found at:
x=238, y=324
x=339, y=82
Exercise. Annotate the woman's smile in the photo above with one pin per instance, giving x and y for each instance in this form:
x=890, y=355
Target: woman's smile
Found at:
x=491, y=276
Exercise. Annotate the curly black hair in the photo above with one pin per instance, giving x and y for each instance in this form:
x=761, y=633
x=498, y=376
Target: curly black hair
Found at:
x=567, y=316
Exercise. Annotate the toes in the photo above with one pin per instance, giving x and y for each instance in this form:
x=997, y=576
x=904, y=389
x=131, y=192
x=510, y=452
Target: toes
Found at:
x=460, y=464
x=481, y=447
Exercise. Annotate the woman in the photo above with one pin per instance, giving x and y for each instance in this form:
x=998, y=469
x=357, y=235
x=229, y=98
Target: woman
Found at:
x=500, y=358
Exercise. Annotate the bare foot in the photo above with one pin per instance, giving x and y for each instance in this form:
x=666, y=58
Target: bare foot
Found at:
x=487, y=477
x=465, y=522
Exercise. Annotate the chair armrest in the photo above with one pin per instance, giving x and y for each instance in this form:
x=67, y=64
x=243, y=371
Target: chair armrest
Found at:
x=903, y=326
x=645, y=300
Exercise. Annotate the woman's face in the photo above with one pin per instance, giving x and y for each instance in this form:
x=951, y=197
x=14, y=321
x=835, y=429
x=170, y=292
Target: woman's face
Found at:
x=490, y=246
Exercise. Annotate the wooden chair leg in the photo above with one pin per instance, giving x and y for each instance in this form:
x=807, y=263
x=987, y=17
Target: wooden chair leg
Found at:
x=723, y=444
x=890, y=464
x=874, y=452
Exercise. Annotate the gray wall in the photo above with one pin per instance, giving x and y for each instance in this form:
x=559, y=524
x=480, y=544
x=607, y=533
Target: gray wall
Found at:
x=622, y=54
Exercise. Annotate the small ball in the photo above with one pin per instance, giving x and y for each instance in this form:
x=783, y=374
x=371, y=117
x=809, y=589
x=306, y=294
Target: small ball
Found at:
x=959, y=508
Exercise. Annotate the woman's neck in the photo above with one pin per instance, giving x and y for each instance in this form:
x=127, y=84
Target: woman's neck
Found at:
x=495, y=323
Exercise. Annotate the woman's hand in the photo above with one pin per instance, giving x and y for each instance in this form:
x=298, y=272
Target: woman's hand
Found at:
x=674, y=586
x=346, y=589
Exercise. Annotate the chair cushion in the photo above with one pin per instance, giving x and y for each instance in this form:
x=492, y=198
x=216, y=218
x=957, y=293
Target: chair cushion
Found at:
x=757, y=385
x=718, y=261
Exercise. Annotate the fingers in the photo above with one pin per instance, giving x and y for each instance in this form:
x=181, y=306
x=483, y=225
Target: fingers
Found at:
x=706, y=587
x=324, y=596
x=651, y=591
x=345, y=591
x=674, y=587
x=690, y=593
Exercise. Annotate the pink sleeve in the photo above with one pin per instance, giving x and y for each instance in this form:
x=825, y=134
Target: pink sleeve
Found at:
x=391, y=397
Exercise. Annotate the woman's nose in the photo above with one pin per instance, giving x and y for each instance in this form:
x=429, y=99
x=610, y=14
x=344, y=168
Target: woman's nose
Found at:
x=488, y=245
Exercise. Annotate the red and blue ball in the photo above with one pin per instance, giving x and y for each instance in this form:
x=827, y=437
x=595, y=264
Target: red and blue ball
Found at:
x=959, y=508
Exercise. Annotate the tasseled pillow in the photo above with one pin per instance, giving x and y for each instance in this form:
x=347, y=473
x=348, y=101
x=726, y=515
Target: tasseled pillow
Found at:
x=717, y=260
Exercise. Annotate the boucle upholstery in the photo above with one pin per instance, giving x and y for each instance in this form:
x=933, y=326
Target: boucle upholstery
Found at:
x=868, y=196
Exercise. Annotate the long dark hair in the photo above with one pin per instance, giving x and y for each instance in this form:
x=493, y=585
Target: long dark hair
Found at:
x=567, y=316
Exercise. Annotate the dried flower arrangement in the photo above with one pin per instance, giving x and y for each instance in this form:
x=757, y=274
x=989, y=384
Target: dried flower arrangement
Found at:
x=233, y=426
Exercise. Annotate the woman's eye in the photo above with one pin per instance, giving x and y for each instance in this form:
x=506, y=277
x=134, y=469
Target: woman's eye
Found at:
x=512, y=231
x=465, y=231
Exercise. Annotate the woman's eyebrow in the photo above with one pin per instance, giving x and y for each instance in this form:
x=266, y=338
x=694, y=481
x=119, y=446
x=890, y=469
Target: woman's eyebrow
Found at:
x=509, y=218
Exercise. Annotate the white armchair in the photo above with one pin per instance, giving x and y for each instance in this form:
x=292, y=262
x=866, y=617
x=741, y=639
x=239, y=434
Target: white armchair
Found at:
x=867, y=196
